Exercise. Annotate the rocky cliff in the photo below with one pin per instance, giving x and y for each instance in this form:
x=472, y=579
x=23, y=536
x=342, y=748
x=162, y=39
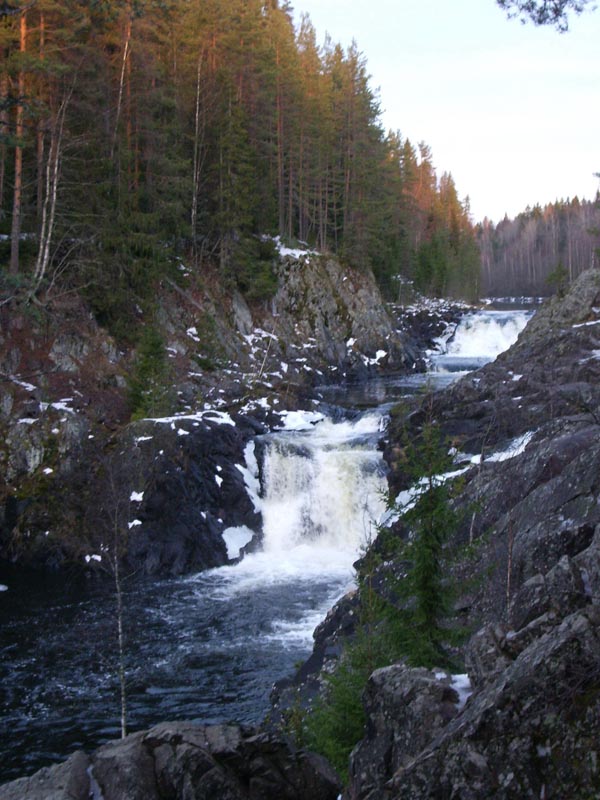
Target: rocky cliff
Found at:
x=527, y=433
x=523, y=719
x=71, y=459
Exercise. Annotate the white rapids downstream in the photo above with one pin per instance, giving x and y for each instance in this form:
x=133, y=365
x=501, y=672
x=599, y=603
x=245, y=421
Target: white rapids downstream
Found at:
x=210, y=646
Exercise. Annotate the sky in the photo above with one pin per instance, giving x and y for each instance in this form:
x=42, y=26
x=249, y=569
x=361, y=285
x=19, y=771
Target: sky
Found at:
x=511, y=110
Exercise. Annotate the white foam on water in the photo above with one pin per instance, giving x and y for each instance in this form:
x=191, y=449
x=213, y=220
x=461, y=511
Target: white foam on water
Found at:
x=484, y=335
x=323, y=494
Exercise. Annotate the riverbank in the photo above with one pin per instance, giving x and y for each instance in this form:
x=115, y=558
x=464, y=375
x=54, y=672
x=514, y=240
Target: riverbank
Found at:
x=163, y=610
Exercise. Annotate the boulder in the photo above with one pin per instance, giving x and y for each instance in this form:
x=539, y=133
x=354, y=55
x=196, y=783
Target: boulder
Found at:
x=186, y=761
x=406, y=708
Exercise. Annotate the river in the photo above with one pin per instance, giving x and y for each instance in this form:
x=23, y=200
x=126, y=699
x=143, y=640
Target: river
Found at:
x=210, y=646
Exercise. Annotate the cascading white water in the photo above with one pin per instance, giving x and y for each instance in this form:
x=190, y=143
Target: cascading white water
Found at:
x=477, y=339
x=487, y=334
x=323, y=495
x=322, y=489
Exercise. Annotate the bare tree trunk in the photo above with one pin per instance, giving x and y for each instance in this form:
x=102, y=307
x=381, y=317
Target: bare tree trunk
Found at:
x=19, y=129
x=3, y=133
x=51, y=186
x=197, y=159
x=131, y=168
x=121, y=83
x=280, y=165
x=290, y=213
x=121, y=639
x=118, y=515
x=40, y=131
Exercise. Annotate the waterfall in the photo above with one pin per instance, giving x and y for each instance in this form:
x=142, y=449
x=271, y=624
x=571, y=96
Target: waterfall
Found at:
x=323, y=489
x=323, y=493
x=477, y=339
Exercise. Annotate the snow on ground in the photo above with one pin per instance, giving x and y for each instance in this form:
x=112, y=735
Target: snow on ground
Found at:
x=462, y=686
x=297, y=252
x=299, y=420
x=407, y=498
x=236, y=538
x=587, y=324
x=23, y=384
x=371, y=362
x=514, y=448
x=209, y=414
x=250, y=473
x=595, y=354
x=60, y=405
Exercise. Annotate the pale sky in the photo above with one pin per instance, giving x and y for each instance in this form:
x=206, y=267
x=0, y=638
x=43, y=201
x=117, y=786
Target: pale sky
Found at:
x=511, y=110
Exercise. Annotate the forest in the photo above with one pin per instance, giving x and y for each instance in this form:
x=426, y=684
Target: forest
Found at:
x=541, y=250
x=134, y=133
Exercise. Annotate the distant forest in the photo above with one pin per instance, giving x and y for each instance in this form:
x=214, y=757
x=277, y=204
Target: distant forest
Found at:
x=135, y=131
x=541, y=249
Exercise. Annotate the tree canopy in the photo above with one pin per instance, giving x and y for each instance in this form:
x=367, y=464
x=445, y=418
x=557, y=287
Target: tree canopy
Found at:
x=544, y=12
x=136, y=131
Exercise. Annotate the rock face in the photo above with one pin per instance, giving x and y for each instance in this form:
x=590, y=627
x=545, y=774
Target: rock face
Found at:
x=69, y=460
x=405, y=708
x=170, y=488
x=192, y=489
x=529, y=565
x=340, y=313
x=187, y=761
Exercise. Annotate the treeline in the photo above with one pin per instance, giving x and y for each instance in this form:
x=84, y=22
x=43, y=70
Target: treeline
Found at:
x=539, y=249
x=131, y=130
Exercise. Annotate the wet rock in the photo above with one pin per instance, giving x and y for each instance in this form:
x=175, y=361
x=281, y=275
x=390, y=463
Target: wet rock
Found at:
x=192, y=491
x=528, y=555
x=241, y=314
x=339, y=310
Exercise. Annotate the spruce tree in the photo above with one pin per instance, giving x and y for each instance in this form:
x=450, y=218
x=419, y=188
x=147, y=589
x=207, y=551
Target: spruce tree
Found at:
x=418, y=618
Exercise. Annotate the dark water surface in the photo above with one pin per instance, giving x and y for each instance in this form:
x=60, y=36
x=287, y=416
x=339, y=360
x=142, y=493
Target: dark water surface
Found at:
x=195, y=650
x=210, y=646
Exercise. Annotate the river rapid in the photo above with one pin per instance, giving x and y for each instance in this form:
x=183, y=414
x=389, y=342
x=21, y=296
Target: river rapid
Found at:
x=210, y=646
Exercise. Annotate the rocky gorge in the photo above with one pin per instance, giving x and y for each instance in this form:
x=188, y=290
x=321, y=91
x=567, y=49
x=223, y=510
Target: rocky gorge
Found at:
x=525, y=435
x=233, y=372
